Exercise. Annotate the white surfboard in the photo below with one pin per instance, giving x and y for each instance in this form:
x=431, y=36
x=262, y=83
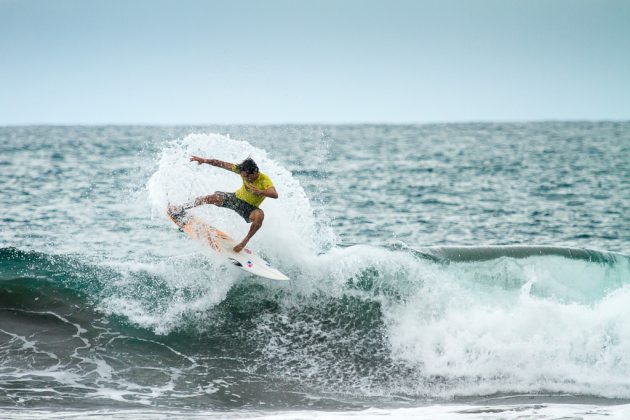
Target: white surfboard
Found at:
x=222, y=244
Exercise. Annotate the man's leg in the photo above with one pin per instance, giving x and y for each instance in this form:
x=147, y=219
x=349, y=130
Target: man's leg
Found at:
x=216, y=199
x=257, y=216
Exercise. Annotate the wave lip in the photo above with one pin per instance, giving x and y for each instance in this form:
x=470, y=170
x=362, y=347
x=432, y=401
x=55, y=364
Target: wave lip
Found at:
x=485, y=253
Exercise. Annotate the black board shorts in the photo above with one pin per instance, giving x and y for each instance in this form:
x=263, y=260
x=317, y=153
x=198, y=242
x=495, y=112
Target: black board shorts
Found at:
x=230, y=201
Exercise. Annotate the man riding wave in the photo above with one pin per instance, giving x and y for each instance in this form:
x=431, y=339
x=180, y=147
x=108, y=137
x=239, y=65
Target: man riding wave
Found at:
x=245, y=201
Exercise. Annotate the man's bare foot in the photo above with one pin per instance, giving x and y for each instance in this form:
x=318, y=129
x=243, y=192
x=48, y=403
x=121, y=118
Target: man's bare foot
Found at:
x=239, y=247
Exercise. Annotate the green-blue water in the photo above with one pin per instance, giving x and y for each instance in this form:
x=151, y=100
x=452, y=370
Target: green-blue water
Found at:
x=429, y=264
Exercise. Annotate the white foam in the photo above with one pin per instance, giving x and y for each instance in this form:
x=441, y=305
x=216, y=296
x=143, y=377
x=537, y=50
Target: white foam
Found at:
x=431, y=412
x=512, y=342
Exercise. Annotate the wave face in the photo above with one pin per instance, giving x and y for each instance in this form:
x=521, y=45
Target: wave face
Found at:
x=360, y=322
x=104, y=304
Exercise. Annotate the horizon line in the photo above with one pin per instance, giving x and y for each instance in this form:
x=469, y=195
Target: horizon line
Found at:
x=348, y=123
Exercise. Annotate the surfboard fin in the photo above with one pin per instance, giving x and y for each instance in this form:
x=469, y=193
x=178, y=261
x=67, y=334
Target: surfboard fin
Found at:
x=236, y=263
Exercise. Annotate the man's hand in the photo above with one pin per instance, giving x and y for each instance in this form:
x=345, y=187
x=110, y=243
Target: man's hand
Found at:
x=270, y=192
x=253, y=189
x=198, y=159
x=214, y=162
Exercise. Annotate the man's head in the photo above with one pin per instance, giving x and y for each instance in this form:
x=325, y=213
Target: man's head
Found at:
x=248, y=169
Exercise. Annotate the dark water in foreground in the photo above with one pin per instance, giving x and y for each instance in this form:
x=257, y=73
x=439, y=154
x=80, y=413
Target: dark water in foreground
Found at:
x=396, y=298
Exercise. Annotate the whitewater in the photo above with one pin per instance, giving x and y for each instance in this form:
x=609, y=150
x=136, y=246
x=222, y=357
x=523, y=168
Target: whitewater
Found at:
x=438, y=271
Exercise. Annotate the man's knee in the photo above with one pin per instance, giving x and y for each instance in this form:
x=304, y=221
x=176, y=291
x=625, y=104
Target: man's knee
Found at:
x=257, y=216
x=215, y=199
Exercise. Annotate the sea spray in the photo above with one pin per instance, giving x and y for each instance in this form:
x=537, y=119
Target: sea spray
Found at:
x=290, y=228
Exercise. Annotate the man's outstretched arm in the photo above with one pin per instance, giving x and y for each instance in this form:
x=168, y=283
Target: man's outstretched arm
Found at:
x=214, y=162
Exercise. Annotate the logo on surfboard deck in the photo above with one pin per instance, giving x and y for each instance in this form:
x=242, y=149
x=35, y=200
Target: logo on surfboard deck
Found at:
x=248, y=251
x=250, y=264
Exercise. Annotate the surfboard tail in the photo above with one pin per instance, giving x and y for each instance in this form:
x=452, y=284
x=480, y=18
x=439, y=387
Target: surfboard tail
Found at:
x=178, y=217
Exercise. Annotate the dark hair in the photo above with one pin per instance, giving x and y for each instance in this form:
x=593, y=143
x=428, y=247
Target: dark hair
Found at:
x=248, y=165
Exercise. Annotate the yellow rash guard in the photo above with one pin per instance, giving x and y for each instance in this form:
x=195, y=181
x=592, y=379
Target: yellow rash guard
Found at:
x=262, y=183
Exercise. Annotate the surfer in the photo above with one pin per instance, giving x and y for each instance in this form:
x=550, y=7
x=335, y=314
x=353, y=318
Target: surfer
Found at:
x=245, y=201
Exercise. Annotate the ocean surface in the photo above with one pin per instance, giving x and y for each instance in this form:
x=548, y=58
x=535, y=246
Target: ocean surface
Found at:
x=447, y=271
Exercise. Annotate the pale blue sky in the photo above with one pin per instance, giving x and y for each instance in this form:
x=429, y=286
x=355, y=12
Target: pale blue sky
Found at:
x=170, y=62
